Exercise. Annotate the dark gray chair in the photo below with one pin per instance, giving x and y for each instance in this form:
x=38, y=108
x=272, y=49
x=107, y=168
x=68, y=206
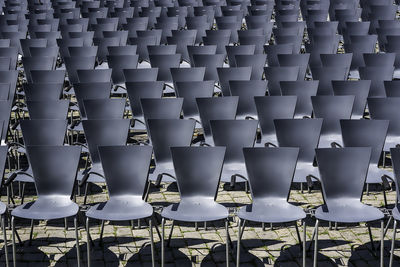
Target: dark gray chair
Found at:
x=270, y=108
x=215, y=108
x=43, y=91
x=274, y=75
x=140, y=75
x=234, y=135
x=256, y=62
x=304, y=134
x=232, y=51
x=377, y=75
x=164, y=134
x=342, y=204
x=48, y=110
x=97, y=109
x=126, y=169
x=292, y=60
x=325, y=76
x=198, y=171
x=54, y=170
x=161, y=108
x=227, y=74
x=303, y=90
x=332, y=109
x=270, y=173
x=211, y=62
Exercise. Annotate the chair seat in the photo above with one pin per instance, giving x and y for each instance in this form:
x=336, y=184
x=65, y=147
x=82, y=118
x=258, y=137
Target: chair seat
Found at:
x=25, y=178
x=375, y=174
x=97, y=175
x=47, y=208
x=348, y=211
x=195, y=209
x=271, y=210
x=396, y=213
x=121, y=208
x=391, y=142
x=328, y=139
x=230, y=169
x=138, y=125
x=3, y=208
x=168, y=168
x=303, y=169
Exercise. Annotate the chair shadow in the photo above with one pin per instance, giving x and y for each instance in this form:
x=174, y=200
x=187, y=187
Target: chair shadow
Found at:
x=365, y=253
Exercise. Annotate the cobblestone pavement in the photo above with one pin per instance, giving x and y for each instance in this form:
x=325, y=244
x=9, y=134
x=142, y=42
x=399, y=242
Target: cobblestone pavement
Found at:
x=123, y=246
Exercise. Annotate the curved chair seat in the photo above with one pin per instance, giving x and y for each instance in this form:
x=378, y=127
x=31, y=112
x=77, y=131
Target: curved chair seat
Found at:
x=47, y=208
x=327, y=140
x=348, y=211
x=23, y=176
x=164, y=168
x=96, y=176
x=374, y=174
x=77, y=127
x=271, y=210
x=303, y=169
x=121, y=208
x=139, y=123
x=195, y=210
x=3, y=208
x=391, y=142
x=396, y=213
x=229, y=169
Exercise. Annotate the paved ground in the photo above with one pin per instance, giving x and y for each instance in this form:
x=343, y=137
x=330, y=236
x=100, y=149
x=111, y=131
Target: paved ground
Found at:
x=122, y=246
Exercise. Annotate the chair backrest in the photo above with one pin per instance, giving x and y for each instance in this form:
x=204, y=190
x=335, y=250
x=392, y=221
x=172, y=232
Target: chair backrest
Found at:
x=365, y=133
x=43, y=132
x=5, y=113
x=161, y=108
x=343, y=172
x=94, y=90
x=48, y=76
x=97, y=109
x=275, y=75
x=303, y=90
x=198, y=170
x=54, y=169
x=216, y=108
x=93, y=76
x=386, y=109
x=188, y=74
x=126, y=169
x=144, y=89
x=234, y=135
x=270, y=171
x=48, y=109
x=43, y=91
x=167, y=133
x=104, y=133
x=227, y=74
x=301, y=133
x=141, y=75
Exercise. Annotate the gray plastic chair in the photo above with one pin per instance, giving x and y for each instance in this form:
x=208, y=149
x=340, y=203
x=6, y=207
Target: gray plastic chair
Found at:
x=270, y=108
x=332, y=109
x=43, y=91
x=140, y=75
x=48, y=110
x=161, y=108
x=97, y=109
x=359, y=89
x=215, y=108
x=343, y=172
x=234, y=135
x=227, y=74
x=273, y=51
x=198, y=172
x=303, y=90
x=299, y=60
x=325, y=76
x=304, y=134
x=54, y=171
x=387, y=109
x=270, y=173
x=232, y=51
x=274, y=75
x=377, y=75
x=126, y=169
x=164, y=134
x=256, y=62
x=211, y=62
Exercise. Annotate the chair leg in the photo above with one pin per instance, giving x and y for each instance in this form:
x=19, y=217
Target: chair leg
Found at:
x=13, y=241
x=66, y=224
x=3, y=226
x=101, y=232
x=155, y=226
x=382, y=241
x=298, y=236
x=170, y=234
x=162, y=241
x=86, y=191
x=238, y=243
x=31, y=233
x=227, y=242
x=304, y=243
x=393, y=239
x=23, y=193
x=88, y=241
x=316, y=244
x=151, y=242
x=78, y=252
x=370, y=237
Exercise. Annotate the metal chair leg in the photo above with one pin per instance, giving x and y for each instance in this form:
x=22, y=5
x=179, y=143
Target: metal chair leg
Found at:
x=316, y=244
x=101, y=232
x=88, y=241
x=304, y=243
x=162, y=241
x=66, y=224
x=238, y=243
x=3, y=226
x=86, y=191
x=382, y=241
x=151, y=242
x=298, y=236
x=393, y=239
x=78, y=252
x=170, y=234
x=227, y=242
x=31, y=234
x=13, y=241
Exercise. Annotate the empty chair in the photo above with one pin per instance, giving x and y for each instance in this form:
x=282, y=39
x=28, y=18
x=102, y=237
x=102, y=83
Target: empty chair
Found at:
x=65, y=43
x=83, y=51
x=270, y=173
x=234, y=135
x=198, y=172
x=270, y=108
x=337, y=60
x=295, y=40
x=97, y=109
x=138, y=75
x=360, y=90
x=91, y=90
x=359, y=45
x=189, y=91
x=5, y=114
x=300, y=60
x=349, y=166
x=215, y=108
x=273, y=51
x=164, y=134
x=182, y=39
x=54, y=170
x=332, y=109
x=211, y=63
x=220, y=38
x=304, y=134
x=36, y=63
x=48, y=109
x=200, y=50
x=48, y=76
x=94, y=76
x=164, y=63
x=120, y=62
x=256, y=62
x=377, y=75
x=274, y=75
x=233, y=51
x=126, y=186
x=387, y=109
x=72, y=64
x=325, y=76
x=27, y=43
x=142, y=43
x=355, y=28
x=246, y=91
x=303, y=90
x=227, y=74
x=137, y=91
x=188, y=74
